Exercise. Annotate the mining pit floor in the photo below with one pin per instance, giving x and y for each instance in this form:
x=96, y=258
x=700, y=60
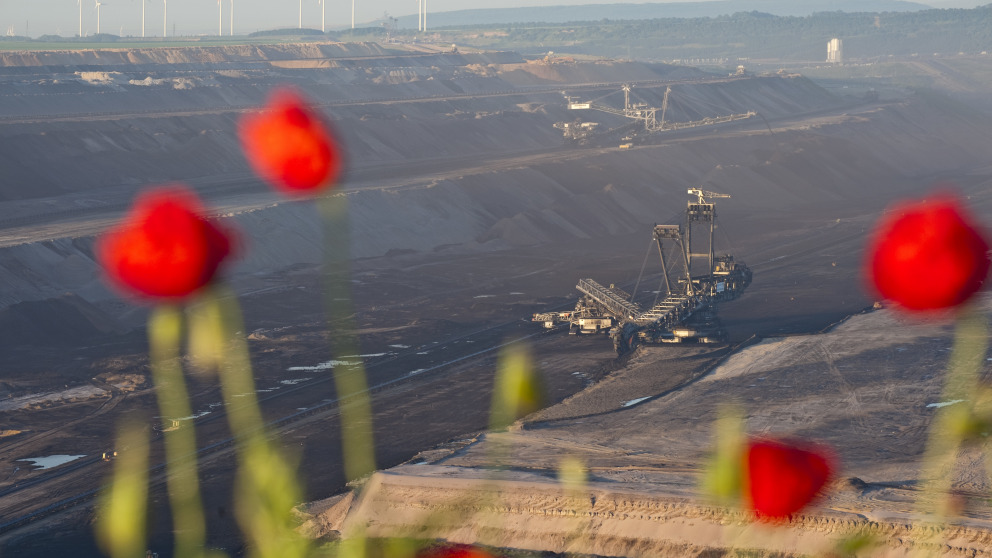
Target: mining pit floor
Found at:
x=417, y=316
x=869, y=387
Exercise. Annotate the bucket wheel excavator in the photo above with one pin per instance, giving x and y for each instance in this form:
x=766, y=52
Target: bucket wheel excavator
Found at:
x=644, y=119
x=685, y=311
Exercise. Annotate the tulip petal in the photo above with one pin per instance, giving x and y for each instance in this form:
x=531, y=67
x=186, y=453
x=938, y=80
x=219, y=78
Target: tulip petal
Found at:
x=290, y=146
x=164, y=248
x=928, y=255
x=783, y=477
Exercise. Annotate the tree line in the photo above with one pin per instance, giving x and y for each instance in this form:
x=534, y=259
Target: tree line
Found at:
x=748, y=35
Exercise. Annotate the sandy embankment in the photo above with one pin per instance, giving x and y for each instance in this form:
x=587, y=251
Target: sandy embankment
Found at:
x=868, y=388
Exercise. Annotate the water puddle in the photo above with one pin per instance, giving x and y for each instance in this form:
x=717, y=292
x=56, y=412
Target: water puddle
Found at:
x=944, y=404
x=633, y=402
x=329, y=365
x=50, y=461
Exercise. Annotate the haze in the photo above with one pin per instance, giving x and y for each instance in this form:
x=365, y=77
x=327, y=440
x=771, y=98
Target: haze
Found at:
x=187, y=17
x=493, y=189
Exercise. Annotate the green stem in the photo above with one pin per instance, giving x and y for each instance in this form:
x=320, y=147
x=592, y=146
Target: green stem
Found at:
x=953, y=424
x=350, y=380
x=121, y=523
x=266, y=486
x=165, y=333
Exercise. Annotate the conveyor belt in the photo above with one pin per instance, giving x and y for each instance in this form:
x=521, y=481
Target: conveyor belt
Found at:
x=609, y=299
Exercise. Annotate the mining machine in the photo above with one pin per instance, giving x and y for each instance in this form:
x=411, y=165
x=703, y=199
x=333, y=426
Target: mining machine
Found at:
x=646, y=119
x=687, y=311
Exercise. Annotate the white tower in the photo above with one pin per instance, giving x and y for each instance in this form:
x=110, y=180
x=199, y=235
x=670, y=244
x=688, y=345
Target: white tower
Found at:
x=98, y=4
x=835, y=51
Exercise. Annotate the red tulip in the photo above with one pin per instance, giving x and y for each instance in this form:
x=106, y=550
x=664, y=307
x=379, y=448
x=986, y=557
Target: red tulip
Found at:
x=783, y=477
x=164, y=248
x=290, y=146
x=454, y=551
x=928, y=255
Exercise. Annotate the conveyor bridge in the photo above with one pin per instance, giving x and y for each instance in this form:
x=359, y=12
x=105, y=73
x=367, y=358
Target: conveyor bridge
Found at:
x=672, y=310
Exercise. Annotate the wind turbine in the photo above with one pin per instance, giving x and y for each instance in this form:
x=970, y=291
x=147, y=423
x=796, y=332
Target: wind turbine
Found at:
x=232, y=18
x=220, y=18
x=301, y=14
x=80, y=4
x=352, y=14
x=98, y=4
x=421, y=15
x=165, y=18
x=323, y=6
x=143, y=19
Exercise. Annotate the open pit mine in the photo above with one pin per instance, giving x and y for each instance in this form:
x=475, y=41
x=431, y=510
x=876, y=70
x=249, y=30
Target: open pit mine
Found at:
x=466, y=214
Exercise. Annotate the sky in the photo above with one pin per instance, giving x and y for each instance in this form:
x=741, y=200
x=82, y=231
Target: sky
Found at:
x=197, y=17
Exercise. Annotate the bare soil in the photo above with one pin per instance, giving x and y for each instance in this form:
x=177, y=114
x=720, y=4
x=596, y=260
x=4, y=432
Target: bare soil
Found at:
x=870, y=388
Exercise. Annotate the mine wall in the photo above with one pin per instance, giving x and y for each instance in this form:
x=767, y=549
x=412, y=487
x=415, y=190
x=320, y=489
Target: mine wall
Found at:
x=179, y=124
x=187, y=55
x=610, y=193
x=583, y=194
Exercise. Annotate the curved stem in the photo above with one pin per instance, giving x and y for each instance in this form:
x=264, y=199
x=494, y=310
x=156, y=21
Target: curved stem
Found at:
x=349, y=378
x=952, y=425
x=164, y=335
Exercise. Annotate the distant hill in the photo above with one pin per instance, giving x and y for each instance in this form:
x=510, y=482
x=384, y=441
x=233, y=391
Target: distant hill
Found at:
x=597, y=12
x=749, y=35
